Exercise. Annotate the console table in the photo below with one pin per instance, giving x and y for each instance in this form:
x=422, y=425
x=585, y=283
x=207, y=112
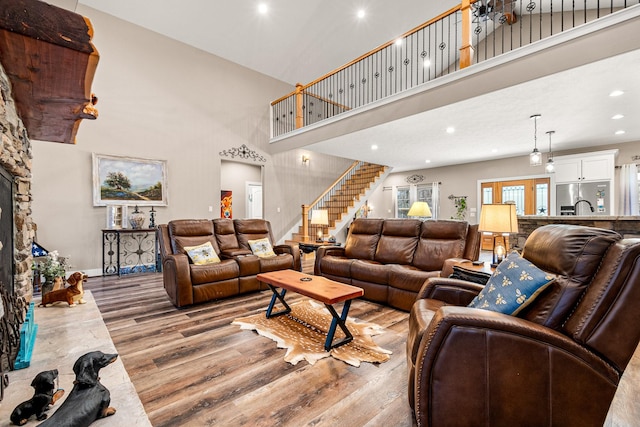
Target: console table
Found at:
x=126, y=251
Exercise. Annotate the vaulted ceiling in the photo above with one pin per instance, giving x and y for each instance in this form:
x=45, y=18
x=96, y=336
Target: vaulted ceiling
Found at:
x=297, y=41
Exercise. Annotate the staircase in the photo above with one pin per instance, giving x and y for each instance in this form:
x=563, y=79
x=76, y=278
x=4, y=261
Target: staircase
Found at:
x=342, y=200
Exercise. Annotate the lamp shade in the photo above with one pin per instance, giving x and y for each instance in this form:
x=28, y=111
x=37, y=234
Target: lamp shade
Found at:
x=419, y=209
x=499, y=218
x=320, y=217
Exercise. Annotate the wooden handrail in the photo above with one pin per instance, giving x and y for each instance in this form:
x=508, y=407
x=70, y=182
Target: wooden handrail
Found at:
x=307, y=208
x=374, y=51
x=352, y=167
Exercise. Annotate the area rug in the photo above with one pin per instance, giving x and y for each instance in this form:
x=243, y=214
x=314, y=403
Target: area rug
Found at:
x=303, y=333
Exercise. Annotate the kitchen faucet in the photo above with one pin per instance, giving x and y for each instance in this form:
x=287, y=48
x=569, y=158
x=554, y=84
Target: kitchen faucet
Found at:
x=575, y=206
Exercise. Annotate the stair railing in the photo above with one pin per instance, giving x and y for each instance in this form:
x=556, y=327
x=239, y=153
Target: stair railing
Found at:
x=322, y=201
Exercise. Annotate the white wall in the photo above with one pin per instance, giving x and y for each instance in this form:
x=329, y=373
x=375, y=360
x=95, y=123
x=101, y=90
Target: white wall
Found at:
x=161, y=99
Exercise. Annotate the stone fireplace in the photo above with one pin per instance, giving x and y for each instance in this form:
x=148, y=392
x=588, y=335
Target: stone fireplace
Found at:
x=18, y=230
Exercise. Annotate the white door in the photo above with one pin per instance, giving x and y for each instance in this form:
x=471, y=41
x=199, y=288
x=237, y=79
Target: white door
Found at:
x=254, y=200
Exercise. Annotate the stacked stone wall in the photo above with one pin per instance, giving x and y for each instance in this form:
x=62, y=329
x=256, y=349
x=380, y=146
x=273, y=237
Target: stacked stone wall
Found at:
x=16, y=160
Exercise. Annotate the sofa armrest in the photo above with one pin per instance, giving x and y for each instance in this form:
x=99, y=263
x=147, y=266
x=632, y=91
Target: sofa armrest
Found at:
x=176, y=276
x=451, y=291
x=324, y=251
x=292, y=249
x=469, y=357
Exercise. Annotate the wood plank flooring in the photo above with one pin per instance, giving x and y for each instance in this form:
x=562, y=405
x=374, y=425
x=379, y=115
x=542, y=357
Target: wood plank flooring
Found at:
x=191, y=367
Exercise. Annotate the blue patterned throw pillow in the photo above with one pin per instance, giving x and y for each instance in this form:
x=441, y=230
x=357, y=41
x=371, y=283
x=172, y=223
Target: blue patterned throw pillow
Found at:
x=515, y=283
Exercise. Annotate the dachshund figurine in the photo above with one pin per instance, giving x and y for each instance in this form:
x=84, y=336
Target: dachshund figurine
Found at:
x=43, y=398
x=89, y=400
x=71, y=294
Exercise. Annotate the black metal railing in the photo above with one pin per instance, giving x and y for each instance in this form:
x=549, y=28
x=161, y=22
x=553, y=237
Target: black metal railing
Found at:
x=432, y=50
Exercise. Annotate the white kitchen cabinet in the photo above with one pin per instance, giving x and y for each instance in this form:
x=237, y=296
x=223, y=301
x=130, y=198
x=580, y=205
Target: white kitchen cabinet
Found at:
x=596, y=166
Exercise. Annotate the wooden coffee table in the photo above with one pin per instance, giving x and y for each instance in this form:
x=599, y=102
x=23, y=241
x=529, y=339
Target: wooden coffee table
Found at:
x=320, y=289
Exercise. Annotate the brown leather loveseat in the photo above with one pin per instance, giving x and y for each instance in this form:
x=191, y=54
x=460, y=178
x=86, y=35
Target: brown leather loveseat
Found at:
x=391, y=258
x=187, y=283
x=557, y=362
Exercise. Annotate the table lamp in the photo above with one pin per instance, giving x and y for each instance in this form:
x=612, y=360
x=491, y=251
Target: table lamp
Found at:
x=320, y=217
x=498, y=219
x=420, y=209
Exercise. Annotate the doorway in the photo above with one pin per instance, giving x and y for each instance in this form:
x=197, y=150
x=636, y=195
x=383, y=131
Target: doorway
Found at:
x=242, y=182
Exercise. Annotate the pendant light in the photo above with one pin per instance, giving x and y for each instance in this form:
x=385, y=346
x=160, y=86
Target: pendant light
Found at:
x=535, y=157
x=550, y=167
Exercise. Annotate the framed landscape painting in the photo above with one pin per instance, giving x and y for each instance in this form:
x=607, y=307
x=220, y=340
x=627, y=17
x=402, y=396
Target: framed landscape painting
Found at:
x=129, y=181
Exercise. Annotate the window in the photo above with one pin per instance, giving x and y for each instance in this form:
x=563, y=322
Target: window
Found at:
x=403, y=202
x=406, y=195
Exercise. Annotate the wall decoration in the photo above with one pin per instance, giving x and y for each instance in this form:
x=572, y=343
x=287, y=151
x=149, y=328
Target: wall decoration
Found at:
x=127, y=180
x=414, y=179
x=243, y=152
x=226, y=204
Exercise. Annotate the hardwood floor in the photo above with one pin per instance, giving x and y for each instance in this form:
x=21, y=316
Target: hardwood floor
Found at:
x=191, y=367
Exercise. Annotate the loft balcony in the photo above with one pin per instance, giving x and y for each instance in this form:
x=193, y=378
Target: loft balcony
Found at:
x=473, y=49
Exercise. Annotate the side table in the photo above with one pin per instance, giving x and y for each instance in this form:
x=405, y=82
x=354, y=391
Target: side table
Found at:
x=472, y=273
x=126, y=251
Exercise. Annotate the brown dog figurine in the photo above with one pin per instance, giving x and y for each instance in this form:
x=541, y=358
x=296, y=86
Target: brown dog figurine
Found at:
x=71, y=294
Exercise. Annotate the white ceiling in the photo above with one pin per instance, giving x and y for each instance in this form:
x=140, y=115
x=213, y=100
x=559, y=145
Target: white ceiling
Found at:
x=301, y=41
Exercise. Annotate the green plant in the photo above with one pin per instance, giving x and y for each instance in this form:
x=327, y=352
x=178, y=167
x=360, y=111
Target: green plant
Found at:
x=461, y=207
x=53, y=265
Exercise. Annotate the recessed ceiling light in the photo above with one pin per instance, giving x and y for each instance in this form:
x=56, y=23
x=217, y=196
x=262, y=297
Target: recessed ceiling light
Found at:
x=616, y=93
x=451, y=129
x=494, y=150
x=262, y=8
x=426, y=63
x=620, y=132
x=361, y=13
x=398, y=42
x=427, y=161
x=374, y=147
x=617, y=117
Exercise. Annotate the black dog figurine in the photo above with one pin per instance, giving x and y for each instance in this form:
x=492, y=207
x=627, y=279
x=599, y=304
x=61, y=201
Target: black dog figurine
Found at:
x=43, y=397
x=89, y=399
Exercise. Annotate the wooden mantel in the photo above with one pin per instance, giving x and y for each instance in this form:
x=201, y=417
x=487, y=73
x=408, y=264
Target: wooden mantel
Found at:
x=47, y=53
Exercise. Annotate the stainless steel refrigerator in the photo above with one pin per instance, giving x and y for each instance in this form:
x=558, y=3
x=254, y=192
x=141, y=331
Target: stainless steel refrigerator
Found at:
x=585, y=198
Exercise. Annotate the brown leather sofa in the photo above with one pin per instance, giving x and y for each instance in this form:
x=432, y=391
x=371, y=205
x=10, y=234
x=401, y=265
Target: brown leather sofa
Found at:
x=235, y=274
x=391, y=258
x=557, y=362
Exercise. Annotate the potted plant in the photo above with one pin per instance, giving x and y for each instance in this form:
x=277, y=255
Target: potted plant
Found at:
x=53, y=267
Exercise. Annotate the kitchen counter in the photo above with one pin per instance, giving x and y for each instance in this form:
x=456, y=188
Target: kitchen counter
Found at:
x=628, y=226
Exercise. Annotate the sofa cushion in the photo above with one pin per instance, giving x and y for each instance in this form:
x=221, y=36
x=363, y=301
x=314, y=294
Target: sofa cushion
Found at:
x=251, y=229
x=190, y=232
x=439, y=240
x=370, y=271
x=362, y=239
x=275, y=263
x=225, y=234
x=209, y=273
x=408, y=278
x=202, y=254
x=398, y=241
x=514, y=284
x=261, y=247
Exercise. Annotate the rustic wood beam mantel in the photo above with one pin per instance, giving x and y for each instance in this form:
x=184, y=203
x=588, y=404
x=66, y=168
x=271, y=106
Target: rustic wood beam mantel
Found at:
x=47, y=53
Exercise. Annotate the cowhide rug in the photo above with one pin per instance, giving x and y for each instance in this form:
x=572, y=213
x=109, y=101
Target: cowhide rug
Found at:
x=303, y=333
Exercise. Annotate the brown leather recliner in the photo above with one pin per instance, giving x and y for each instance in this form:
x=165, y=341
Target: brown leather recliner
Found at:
x=558, y=362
